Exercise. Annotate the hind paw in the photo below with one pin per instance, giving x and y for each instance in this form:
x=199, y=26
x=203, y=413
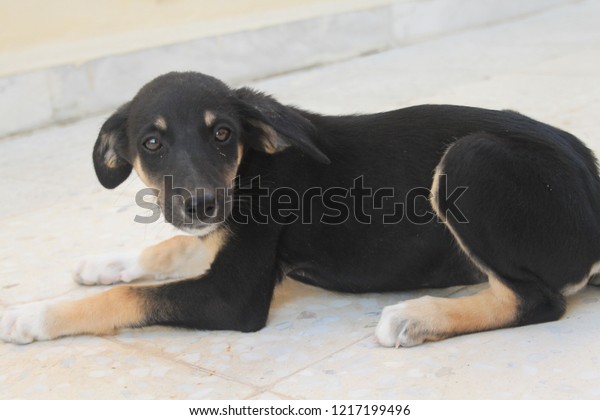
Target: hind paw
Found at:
x=410, y=323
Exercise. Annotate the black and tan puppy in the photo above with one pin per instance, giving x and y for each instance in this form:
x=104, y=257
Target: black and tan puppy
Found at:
x=427, y=196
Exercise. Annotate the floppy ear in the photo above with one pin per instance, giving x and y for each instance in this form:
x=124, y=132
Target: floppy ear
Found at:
x=272, y=127
x=110, y=150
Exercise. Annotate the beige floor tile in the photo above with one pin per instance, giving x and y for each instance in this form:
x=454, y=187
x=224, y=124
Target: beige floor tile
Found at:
x=270, y=396
x=306, y=324
x=94, y=368
x=557, y=360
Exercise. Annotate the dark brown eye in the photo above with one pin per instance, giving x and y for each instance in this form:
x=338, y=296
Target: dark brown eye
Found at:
x=152, y=144
x=223, y=134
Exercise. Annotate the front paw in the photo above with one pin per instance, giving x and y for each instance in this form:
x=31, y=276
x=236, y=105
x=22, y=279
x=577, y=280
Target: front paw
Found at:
x=108, y=269
x=25, y=323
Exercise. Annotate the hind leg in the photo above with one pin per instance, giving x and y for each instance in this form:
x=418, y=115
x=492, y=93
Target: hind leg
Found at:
x=432, y=318
x=515, y=228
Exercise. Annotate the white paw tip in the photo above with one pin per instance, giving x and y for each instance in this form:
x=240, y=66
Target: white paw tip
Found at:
x=108, y=269
x=23, y=324
x=396, y=328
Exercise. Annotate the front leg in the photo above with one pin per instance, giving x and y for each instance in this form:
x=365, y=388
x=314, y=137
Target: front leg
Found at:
x=235, y=294
x=178, y=257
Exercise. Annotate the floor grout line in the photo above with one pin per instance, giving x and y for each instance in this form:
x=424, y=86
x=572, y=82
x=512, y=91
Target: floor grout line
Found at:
x=258, y=389
x=271, y=385
x=159, y=354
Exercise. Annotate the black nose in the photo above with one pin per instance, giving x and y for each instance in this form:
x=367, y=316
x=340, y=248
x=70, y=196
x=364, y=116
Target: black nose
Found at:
x=202, y=208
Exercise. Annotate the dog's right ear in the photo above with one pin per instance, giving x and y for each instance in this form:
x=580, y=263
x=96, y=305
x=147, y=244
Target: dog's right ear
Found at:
x=110, y=151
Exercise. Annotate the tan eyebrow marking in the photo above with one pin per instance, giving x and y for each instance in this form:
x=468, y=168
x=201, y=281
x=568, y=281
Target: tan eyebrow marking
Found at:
x=161, y=123
x=209, y=118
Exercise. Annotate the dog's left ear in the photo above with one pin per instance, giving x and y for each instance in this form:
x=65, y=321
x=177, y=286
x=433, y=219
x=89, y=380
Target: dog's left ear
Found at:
x=272, y=127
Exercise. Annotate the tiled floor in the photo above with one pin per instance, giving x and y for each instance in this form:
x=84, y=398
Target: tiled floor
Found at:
x=317, y=344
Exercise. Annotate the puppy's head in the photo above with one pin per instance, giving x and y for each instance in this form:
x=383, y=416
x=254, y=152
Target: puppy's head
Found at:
x=185, y=134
